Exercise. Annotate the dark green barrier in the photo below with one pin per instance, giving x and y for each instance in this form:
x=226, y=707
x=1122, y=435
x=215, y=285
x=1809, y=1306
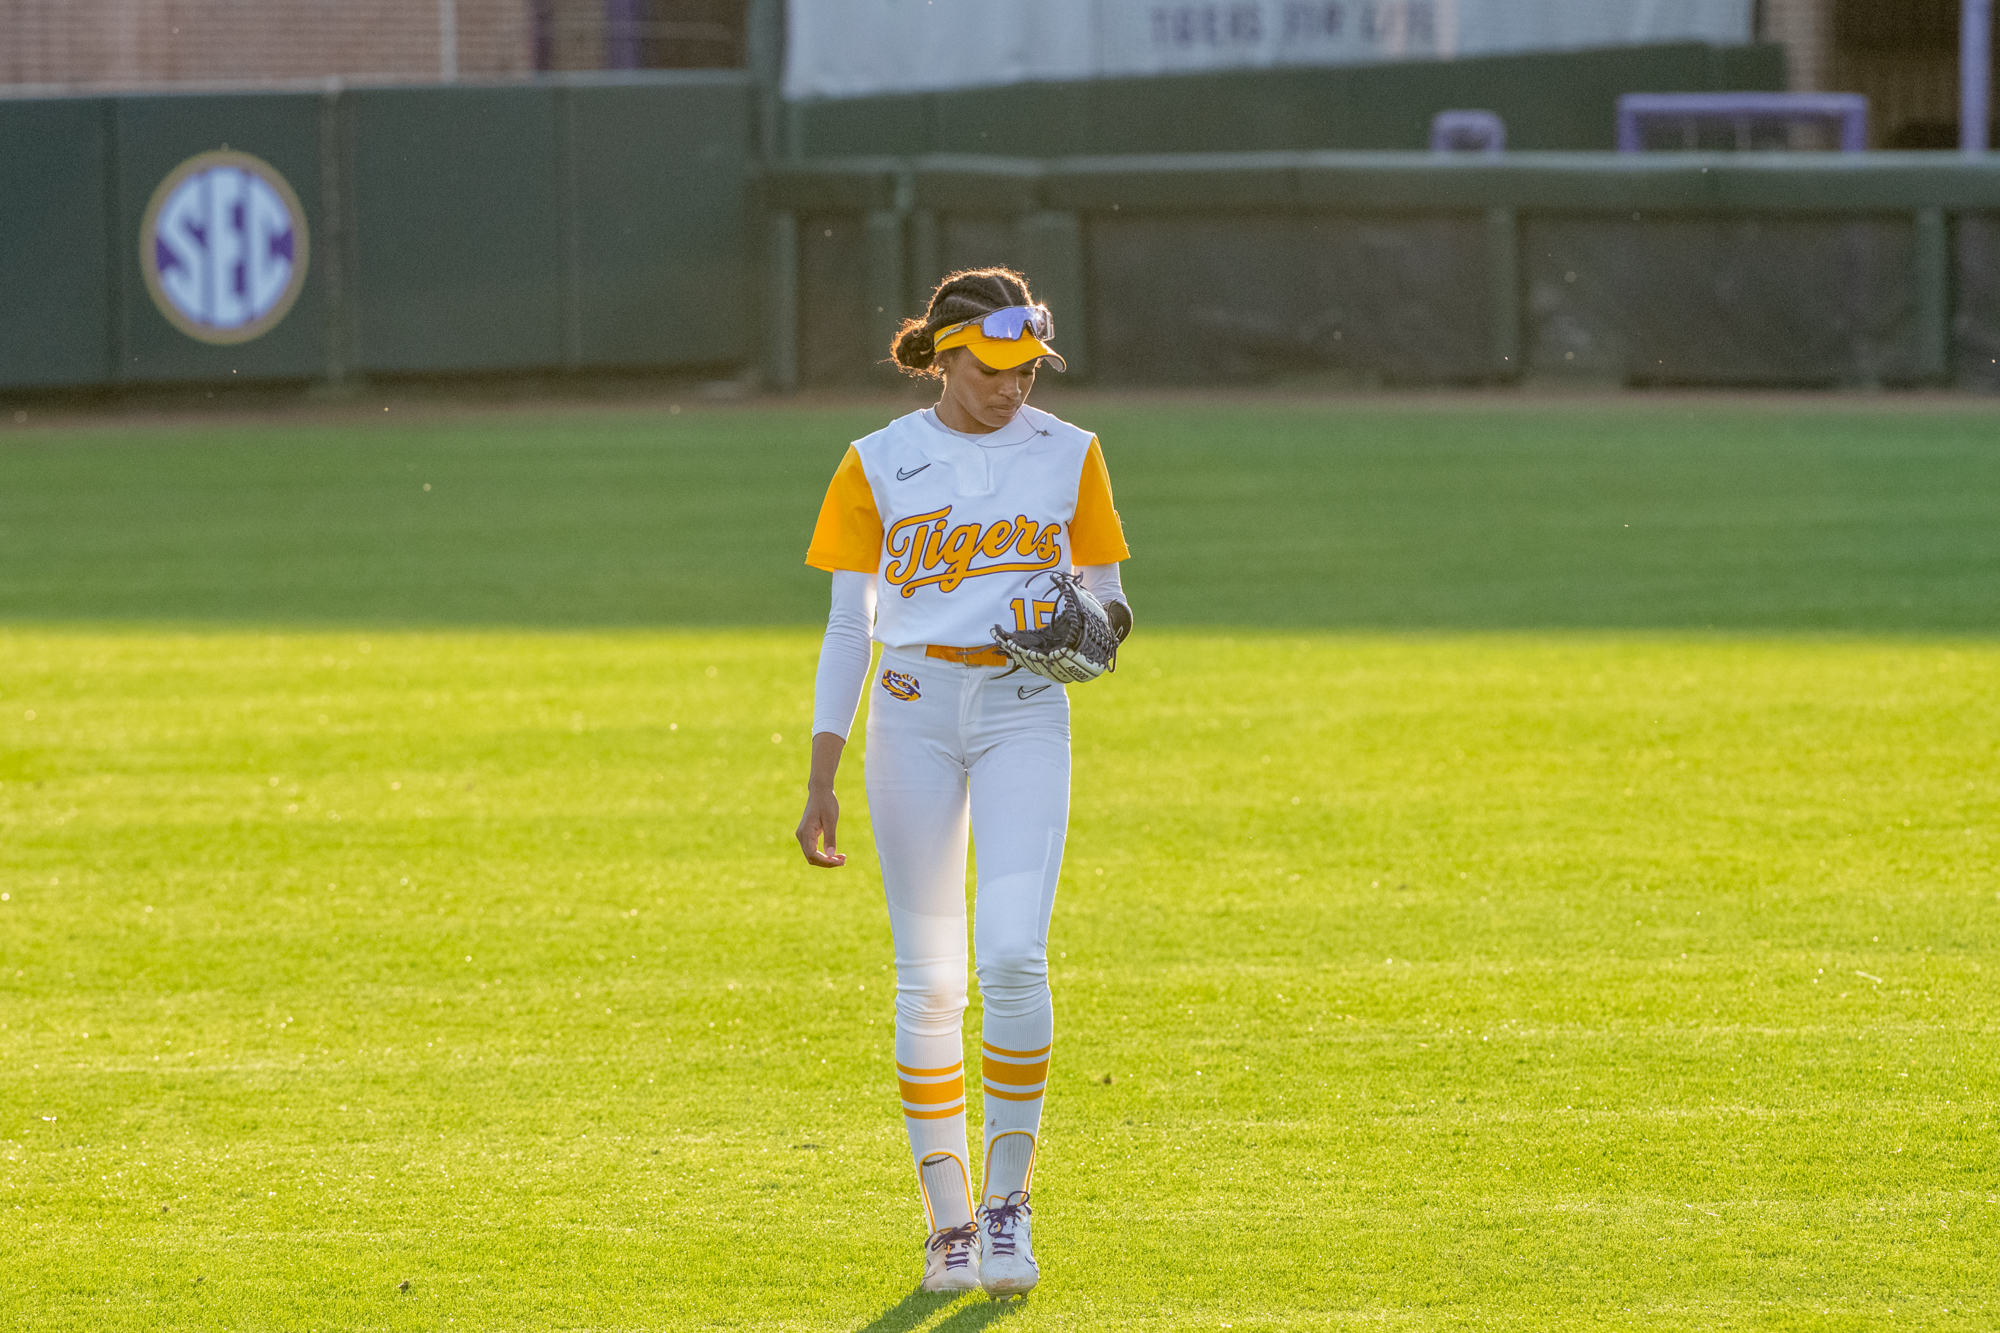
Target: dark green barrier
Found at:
x=1559, y=100
x=605, y=222
x=55, y=329
x=157, y=134
x=833, y=282
x=1795, y=269
x=457, y=229
x=660, y=172
x=1976, y=322
x=583, y=222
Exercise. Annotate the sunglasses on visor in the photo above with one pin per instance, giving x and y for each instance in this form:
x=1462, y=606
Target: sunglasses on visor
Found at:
x=1008, y=324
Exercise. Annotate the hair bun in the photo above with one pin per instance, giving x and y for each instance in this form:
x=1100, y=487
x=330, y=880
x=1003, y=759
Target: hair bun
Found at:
x=916, y=346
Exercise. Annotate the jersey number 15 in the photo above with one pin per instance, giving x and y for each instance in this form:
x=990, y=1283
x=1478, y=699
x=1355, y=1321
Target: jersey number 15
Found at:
x=1043, y=612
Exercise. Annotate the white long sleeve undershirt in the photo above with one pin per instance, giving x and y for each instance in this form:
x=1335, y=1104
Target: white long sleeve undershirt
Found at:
x=846, y=651
x=1101, y=582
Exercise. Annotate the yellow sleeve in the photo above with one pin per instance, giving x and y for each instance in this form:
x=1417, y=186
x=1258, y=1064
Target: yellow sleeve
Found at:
x=1096, y=537
x=849, y=532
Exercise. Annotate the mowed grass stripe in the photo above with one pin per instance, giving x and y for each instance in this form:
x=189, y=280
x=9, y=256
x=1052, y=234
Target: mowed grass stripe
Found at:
x=1590, y=982
x=1433, y=514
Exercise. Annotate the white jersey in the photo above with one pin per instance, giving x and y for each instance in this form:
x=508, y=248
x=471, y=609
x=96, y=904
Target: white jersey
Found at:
x=961, y=531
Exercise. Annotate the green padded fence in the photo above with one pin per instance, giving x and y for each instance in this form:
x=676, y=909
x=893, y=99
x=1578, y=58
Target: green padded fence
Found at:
x=1781, y=269
x=458, y=229
x=579, y=223
x=150, y=136
x=610, y=222
x=55, y=243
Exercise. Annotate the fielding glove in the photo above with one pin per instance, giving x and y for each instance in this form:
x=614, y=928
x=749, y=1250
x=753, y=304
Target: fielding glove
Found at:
x=1079, y=643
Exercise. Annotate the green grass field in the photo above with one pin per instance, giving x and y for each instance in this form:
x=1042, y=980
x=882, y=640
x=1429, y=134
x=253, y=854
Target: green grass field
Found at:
x=1479, y=912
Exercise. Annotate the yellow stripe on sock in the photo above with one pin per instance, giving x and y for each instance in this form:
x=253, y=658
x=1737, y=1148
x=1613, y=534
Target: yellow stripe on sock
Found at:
x=991, y=1049
x=929, y=1073
x=945, y=1114
x=1015, y=1075
x=930, y=1094
x=1005, y=1096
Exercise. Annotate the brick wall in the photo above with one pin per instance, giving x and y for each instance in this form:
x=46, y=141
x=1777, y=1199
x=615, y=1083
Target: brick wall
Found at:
x=132, y=44
x=574, y=33
x=1805, y=29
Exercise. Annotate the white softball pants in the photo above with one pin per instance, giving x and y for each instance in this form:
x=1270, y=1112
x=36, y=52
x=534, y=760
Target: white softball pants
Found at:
x=952, y=746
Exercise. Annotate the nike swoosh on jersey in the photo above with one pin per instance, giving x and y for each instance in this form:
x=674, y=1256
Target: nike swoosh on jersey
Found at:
x=1023, y=692
x=905, y=476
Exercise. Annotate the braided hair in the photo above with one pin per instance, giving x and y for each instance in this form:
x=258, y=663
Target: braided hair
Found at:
x=964, y=295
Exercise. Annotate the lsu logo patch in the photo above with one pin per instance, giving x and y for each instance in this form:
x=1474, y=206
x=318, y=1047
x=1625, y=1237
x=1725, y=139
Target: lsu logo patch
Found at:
x=902, y=686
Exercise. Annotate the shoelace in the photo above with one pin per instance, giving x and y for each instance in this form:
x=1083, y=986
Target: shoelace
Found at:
x=1000, y=1221
x=956, y=1242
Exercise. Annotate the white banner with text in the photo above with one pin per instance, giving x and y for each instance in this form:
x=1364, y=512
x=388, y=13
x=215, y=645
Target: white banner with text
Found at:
x=856, y=48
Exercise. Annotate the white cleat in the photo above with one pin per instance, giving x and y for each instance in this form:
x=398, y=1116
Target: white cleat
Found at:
x=1006, y=1251
x=951, y=1259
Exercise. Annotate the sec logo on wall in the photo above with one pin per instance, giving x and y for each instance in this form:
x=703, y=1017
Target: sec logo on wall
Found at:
x=223, y=247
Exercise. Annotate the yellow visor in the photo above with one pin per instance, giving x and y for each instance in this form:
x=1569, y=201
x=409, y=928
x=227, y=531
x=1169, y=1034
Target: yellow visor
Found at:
x=1000, y=353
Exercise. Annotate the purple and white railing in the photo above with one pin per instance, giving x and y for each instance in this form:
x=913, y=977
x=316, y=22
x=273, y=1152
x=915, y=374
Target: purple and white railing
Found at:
x=1845, y=113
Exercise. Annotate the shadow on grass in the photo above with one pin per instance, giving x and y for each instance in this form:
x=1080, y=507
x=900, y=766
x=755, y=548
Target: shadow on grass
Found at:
x=1656, y=515
x=981, y=1312
x=918, y=1308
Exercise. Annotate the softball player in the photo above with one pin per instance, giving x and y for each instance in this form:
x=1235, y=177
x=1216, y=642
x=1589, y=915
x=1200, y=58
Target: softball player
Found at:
x=939, y=529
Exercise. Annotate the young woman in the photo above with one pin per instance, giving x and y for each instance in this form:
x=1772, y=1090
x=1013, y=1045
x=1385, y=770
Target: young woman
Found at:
x=939, y=529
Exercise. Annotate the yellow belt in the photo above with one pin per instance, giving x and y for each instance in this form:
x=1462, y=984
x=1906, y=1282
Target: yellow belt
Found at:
x=986, y=655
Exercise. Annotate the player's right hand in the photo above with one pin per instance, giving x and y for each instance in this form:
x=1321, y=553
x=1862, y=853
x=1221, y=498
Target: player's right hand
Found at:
x=817, y=824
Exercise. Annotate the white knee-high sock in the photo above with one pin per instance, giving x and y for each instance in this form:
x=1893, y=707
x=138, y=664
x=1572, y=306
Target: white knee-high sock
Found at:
x=1010, y=1165
x=1015, y=1068
x=930, y=1074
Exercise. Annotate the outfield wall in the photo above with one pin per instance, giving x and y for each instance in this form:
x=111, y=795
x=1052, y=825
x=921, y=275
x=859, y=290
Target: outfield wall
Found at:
x=591, y=221
x=605, y=222
x=1726, y=269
